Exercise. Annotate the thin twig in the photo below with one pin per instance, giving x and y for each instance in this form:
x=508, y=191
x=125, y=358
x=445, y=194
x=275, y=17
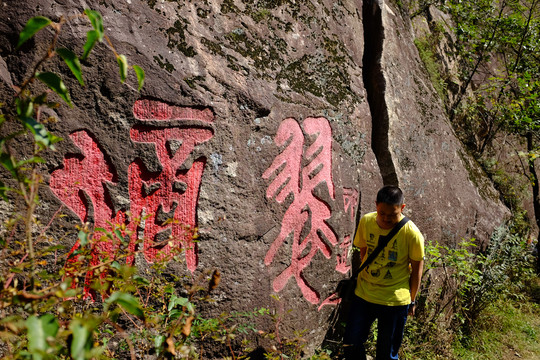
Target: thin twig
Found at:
x=111, y=45
x=124, y=335
x=130, y=319
x=50, y=222
x=50, y=54
x=12, y=275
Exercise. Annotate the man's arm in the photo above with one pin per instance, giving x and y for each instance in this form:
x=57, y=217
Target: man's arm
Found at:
x=357, y=256
x=414, y=281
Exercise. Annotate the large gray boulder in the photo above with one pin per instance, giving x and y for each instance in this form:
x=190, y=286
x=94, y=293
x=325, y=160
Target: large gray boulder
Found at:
x=266, y=125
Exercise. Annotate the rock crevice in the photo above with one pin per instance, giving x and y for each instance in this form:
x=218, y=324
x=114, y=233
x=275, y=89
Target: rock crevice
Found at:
x=375, y=85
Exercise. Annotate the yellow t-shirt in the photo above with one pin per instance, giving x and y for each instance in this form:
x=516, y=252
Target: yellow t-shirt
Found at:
x=386, y=280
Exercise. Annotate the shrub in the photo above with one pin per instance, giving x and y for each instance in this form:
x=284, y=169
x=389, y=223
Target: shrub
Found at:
x=462, y=283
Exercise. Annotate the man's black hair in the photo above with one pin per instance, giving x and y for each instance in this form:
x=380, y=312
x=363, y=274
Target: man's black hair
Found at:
x=391, y=195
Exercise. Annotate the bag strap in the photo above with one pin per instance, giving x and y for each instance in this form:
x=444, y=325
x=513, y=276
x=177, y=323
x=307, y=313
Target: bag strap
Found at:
x=383, y=241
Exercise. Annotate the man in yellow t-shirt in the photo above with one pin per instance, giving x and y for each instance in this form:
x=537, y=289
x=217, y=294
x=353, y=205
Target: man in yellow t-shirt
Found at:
x=386, y=288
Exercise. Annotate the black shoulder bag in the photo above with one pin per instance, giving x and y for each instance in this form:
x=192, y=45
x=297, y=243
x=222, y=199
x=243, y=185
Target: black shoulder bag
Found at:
x=346, y=287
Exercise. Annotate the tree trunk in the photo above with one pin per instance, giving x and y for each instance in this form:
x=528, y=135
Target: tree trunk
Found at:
x=536, y=195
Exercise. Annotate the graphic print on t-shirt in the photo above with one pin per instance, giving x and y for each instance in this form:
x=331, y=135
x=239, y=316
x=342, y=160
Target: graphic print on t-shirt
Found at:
x=392, y=258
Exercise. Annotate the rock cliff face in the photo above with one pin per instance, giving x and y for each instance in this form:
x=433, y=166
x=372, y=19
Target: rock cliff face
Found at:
x=265, y=124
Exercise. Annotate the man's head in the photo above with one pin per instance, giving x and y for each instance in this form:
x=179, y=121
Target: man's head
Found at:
x=389, y=206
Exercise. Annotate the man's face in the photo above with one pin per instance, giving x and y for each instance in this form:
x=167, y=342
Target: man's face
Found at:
x=388, y=215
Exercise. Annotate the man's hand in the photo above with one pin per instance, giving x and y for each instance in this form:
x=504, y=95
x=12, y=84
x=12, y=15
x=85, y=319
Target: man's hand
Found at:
x=412, y=309
x=414, y=282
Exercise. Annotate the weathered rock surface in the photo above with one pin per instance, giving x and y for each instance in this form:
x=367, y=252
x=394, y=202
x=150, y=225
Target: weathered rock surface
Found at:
x=265, y=124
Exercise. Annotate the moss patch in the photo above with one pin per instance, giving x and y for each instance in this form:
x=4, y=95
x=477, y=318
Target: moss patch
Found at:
x=213, y=47
x=228, y=7
x=164, y=65
x=192, y=81
x=322, y=77
x=265, y=54
x=177, y=38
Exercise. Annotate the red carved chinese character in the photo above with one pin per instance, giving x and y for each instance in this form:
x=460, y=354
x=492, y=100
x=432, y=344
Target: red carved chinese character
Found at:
x=343, y=255
x=166, y=201
x=80, y=184
x=341, y=267
x=301, y=182
x=332, y=300
x=350, y=201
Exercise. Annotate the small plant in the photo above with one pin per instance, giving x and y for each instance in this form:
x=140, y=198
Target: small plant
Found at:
x=28, y=116
x=41, y=308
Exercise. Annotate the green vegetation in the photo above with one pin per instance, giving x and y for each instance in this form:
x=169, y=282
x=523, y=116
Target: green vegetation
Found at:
x=493, y=105
x=432, y=63
x=469, y=283
x=507, y=329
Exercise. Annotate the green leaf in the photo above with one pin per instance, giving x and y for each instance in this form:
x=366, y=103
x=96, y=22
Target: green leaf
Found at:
x=37, y=129
x=126, y=301
x=140, y=76
x=41, y=99
x=140, y=280
x=72, y=62
x=97, y=22
x=82, y=340
x=175, y=314
x=83, y=237
x=118, y=234
x=7, y=162
x=39, y=329
x=177, y=301
x=31, y=28
x=56, y=84
x=123, y=64
x=3, y=191
x=159, y=340
x=74, y=255
x=69, y=293
x=32, y=160
x=42, y=136
x=25, y=107
x=91, y=38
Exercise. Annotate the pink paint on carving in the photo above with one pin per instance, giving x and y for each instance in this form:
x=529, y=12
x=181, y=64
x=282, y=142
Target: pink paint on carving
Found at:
x=167, y=200
x=319, y=169
x=156, y=110
x=300, y=182
x=343, y=255
x=80, y=185
x=350, y=201
x=332, y=300
x=87, y=175
x=173, y=191
x=289, y=132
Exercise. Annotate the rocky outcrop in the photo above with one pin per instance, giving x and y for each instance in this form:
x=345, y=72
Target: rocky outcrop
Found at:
x=264, y=124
